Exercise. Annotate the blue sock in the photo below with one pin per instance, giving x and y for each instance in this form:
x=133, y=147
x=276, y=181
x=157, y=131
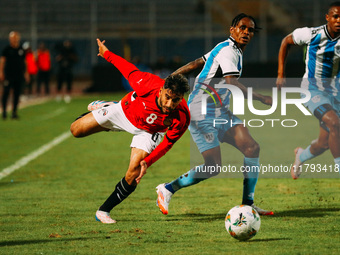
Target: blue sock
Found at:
x=169, y=187
x=250, y=179
x=337, y=164
x=306, y=155
x=190, y=178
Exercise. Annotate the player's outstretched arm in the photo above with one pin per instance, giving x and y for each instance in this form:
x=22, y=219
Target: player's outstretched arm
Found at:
x=283, y=53
x=191, y=66
x=124, y=66
x=257, y=96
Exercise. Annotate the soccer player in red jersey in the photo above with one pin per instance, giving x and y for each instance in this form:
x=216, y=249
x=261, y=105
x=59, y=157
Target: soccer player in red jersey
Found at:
x=155, y=110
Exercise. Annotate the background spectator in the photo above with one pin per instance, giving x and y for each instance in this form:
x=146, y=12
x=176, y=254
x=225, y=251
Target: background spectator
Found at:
x=32, y=68
x=13, y=73
x=66, y=59
x=44, y=68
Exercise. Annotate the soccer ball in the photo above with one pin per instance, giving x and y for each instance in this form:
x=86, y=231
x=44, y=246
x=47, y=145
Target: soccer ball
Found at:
x=242, y=222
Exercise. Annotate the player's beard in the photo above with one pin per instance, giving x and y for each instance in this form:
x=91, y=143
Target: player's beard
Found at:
x=166, y=110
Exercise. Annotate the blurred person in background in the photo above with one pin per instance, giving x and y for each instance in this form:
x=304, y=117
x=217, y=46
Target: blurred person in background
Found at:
x=32, y=68
x=321, y=79
x=66, y=59
x=44, y=68
x=13, y=73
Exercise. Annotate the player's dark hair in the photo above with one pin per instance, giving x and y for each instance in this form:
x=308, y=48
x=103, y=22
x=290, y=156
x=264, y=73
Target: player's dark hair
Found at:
x=177, y=83
x=240, y=16
x=334, y=4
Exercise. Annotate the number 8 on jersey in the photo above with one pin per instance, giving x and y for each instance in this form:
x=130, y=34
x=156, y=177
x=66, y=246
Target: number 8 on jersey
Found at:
x=151, y=119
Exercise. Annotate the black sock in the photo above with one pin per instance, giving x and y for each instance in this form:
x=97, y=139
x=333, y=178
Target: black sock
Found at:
x=122, y=191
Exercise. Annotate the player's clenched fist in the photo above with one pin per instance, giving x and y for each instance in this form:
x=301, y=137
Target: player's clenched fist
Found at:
x=101, y=47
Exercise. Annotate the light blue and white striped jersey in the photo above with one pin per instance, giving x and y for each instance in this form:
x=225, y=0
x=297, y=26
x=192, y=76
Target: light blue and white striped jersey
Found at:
x=322, y=59
x=225, y=59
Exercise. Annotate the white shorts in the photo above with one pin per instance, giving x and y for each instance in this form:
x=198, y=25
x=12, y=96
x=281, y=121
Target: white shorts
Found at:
x=113, y=118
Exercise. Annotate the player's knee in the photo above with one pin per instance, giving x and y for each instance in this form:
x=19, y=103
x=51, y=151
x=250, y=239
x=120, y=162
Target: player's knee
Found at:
x=332, y=121
x=333, y=125
x=252, y=150
x=76, y=130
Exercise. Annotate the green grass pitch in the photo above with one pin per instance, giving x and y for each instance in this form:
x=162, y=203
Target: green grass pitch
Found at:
x=48, y=205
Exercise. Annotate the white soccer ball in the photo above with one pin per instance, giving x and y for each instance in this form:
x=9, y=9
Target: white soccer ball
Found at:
x=242, y=222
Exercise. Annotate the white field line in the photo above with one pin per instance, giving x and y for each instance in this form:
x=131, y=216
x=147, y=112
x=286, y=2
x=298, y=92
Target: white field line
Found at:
x=33, y=155
x=52, y=114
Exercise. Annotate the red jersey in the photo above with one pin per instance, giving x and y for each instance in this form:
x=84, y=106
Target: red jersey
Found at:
x=44, y=60
x=141, y=108
x=31, y=65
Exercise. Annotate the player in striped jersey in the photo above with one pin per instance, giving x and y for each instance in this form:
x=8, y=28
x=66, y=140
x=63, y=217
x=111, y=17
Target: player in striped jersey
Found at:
x=224, y=62
x=321, y=78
